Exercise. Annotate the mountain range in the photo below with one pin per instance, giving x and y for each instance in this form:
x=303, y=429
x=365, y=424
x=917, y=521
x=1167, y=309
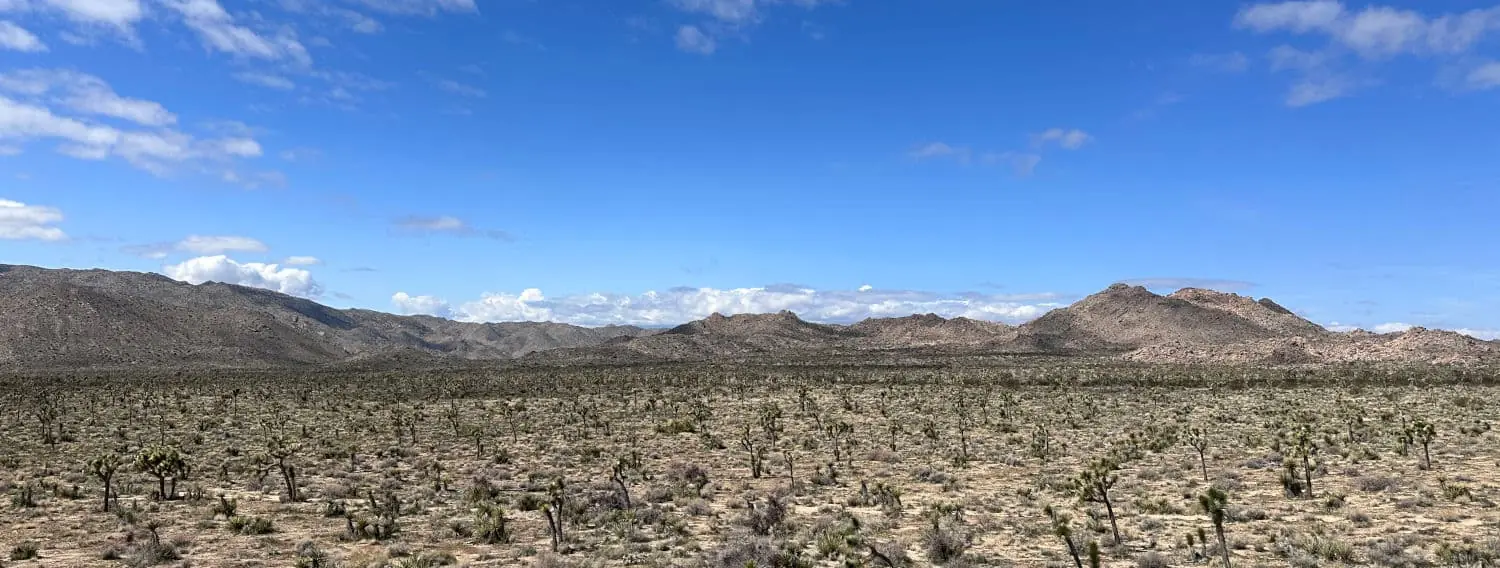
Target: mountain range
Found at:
x=75, y=319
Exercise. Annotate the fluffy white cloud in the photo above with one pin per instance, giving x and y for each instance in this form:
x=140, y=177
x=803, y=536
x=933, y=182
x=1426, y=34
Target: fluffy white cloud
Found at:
x=1071, y=139
x=16, y=38
x=46, y=94
x=220, y=268
x=680, y=305
x=19, y=221
x=1485, y=334
x=692, y=40
x=1391, y=327
x=409, y=305
x=302, y=261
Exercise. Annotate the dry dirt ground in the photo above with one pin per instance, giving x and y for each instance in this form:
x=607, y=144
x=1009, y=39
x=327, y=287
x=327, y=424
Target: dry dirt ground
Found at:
x=654, y=467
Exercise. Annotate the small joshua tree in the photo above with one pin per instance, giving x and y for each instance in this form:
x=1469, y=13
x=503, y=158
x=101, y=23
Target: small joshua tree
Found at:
x=103, y=468
x=1422, y=432
x=1214, y=503
x=1062, y=528
x=1198, y=439
x=1093, y=484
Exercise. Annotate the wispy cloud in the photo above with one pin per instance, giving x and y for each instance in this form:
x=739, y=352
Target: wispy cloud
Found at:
x=1374, y=34
x=1069, y=139
x=692, y=39
x=461, y=89
x=445, y=225
x=64, y=106
x=1232, y=62
x=16, y=38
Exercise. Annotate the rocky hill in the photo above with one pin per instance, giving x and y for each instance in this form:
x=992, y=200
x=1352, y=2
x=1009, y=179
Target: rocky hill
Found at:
x=68, y=319
x=99, y=318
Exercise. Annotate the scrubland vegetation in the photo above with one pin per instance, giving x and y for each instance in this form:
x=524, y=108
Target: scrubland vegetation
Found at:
x=1065, y=465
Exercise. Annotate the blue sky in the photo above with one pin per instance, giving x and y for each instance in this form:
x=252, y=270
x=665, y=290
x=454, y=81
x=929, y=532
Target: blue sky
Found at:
x=654, y=161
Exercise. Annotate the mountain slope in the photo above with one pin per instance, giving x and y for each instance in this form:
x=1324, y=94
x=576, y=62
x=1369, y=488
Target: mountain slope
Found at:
x=69, y=319
x=98, y=318
x=1127, y=317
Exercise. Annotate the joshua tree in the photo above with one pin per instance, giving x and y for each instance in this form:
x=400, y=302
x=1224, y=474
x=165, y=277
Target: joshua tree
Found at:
x=757, y=453
x=617, y=474
x=556, y=494
x=279, y=452
x=103, y=468
x=1422, y=432
x=1093, y=485
x=1303, y=448
x=162, y=463
x=1213, y=504
x=1198, y=439
x=1063, y=529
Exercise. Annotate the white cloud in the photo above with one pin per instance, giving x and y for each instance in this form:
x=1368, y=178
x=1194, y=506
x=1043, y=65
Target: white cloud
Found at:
x=267, y=80
x=1391, y=327
x=119, y=14
x=1311, y=91
x=445, y=224
x=302, y=261
x=1376, y=31
x=680, y=305
x=1071, y=139
x=1485, y=334
x=1485, y=76
x=408, y=305
x=46, y=93
x=16, y=38
x=219, y=32
x=1298, y=17
x=938, y=150
x=692, y=40
x=19, y=221
x=220, y=268
x=199, y=244
x=418, y=7
x=85, y=94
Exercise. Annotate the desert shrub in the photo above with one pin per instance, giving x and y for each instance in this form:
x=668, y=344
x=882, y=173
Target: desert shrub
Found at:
x=1376, y=484
x=766, y=517
x=24, y=551
x=310, y=556
x=1151, y=559
x=426, y=560
x=251, y=525
x=759, y=551
x=490, y=523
